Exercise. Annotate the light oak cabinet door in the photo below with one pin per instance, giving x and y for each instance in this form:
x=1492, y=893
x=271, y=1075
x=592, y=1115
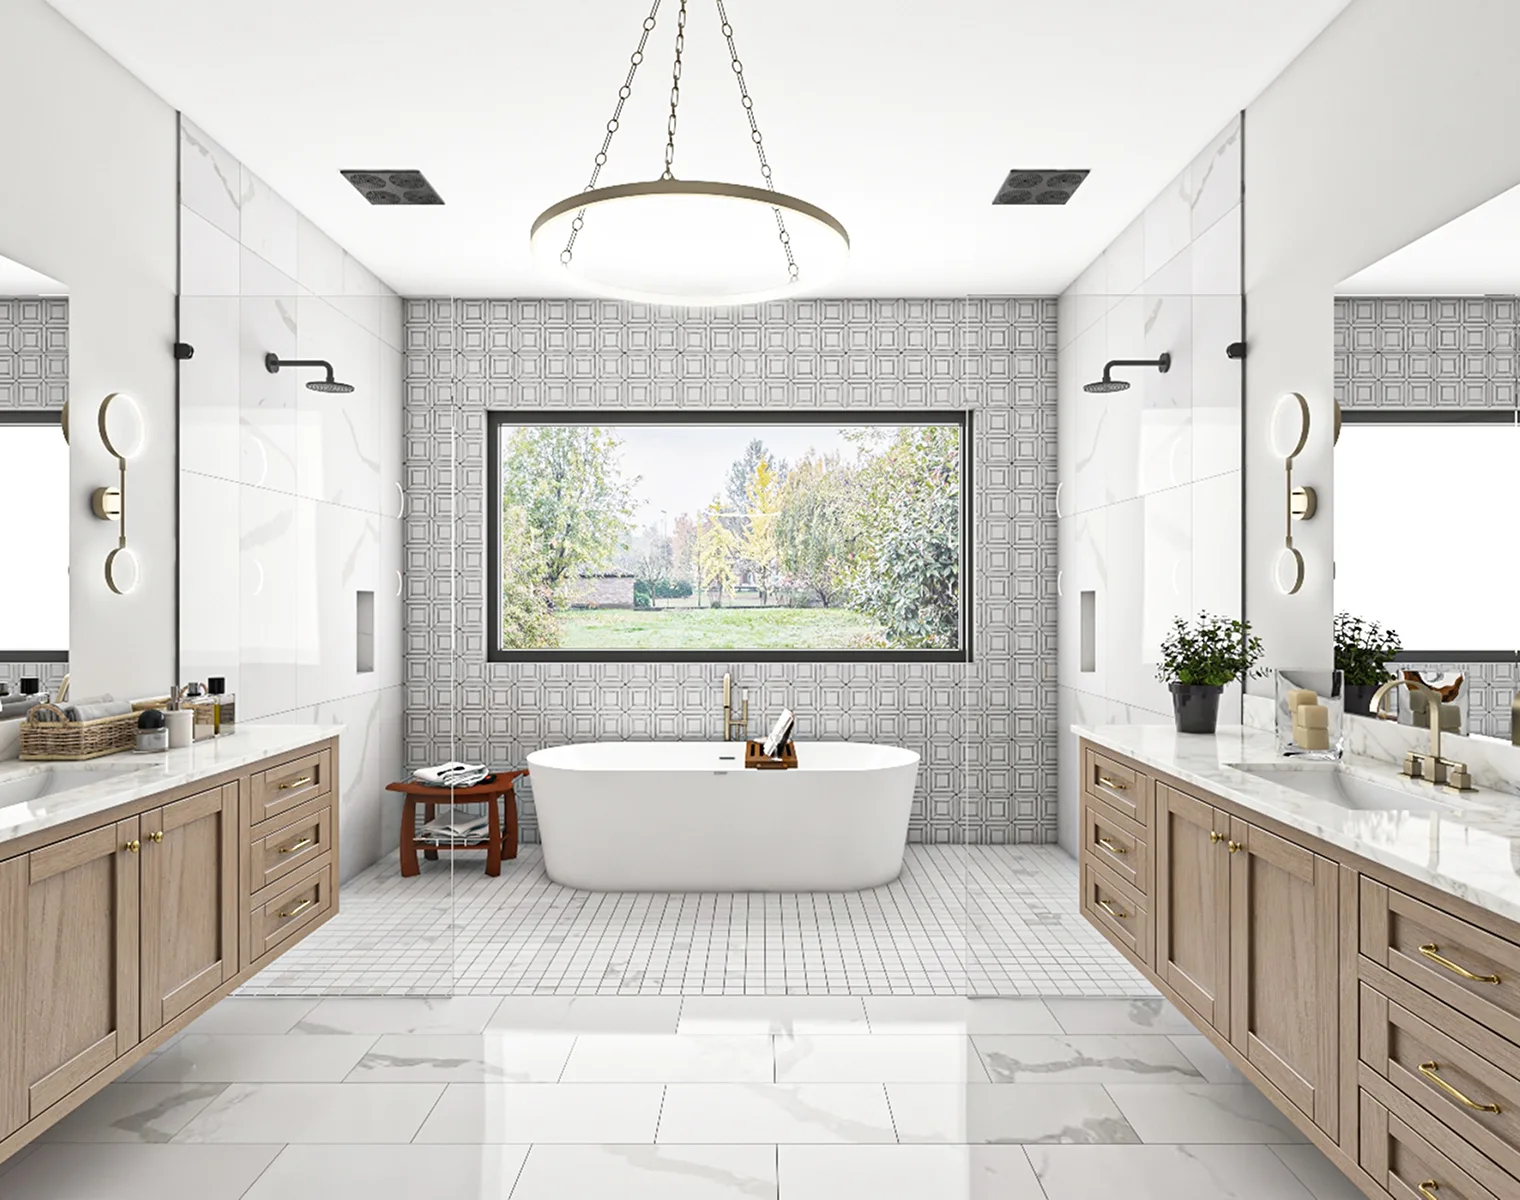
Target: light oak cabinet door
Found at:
x=1193, y=904
x=189, y=902
x=68, y=966
x=1284, y=959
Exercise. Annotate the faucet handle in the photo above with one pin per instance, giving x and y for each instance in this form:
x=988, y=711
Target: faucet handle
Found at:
x=1458, y=777
x=1414, y=765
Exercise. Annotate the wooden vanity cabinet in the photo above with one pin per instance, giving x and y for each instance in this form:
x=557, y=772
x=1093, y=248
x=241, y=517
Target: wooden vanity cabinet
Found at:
x=114, y=937
x=1357, y=999
x=189, y=902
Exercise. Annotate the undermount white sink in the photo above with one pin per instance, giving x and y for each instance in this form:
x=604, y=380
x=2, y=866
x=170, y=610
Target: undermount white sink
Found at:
x=1337, y=786
x=38, y=782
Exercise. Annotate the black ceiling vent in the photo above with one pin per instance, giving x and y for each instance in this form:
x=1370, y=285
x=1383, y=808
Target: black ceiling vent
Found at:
x=1039, y=187
x=393, y=187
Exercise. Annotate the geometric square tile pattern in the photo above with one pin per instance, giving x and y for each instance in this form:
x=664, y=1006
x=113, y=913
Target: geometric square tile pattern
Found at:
x=985, y=730
x=34, y=353
x=997, y=920
x=1436, y=352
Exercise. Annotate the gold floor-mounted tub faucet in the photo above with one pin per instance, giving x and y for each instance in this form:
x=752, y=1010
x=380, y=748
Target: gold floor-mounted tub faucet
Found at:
x=731, y=722
x=1432, y=767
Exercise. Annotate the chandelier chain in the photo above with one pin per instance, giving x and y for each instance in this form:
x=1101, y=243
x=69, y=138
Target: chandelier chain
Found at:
x=634, y=61
x=754, y=134
x=675, y=94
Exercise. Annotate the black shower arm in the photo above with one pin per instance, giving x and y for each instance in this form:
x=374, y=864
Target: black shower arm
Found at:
x=1131, y=362
x=273, y=362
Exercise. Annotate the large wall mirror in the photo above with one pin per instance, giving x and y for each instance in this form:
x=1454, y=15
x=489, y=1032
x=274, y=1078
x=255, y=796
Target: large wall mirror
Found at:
x=34, y=487
x=1427, y=349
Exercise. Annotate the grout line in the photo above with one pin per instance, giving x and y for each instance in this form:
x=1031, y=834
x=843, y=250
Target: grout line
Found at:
x=432, y=1108
x=664, y=1092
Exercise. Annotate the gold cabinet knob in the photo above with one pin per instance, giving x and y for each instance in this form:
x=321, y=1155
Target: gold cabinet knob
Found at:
x=133, y=846
x=156, y=837
x=1215, y=836
x=1236, y=847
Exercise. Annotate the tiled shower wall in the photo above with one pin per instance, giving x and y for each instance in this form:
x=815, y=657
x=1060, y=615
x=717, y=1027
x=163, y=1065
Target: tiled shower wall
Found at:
x=1458, y=352
x=34, y=353
x=34, y=376
x=985, y=730
x=1150, y=500
x=290, y=499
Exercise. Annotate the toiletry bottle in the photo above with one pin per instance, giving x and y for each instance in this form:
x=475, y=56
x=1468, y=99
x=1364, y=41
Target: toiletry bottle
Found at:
x=223, y=707
x=152, y=732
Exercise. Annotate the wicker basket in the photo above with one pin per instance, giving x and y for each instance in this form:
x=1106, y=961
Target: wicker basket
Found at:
x=74, y=741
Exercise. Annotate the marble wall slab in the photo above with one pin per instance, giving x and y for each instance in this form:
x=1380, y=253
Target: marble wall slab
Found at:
x=289, y=498
x=1150, y=478
x=986, y=730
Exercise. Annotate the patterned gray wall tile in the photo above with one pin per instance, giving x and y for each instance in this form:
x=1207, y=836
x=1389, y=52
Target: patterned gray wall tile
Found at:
x=985, y=730
x=1426, y=351
x=34, y=353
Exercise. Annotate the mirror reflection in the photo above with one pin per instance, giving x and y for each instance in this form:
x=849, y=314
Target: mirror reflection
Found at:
x=34, y=483
x=1425, y=377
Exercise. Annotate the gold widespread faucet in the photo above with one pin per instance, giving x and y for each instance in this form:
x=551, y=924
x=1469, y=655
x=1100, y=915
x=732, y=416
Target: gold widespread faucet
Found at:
x=1433, y=767
x=731, y=722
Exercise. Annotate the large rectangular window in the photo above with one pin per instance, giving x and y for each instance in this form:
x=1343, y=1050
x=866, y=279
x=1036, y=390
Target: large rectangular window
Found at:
x=768, y=537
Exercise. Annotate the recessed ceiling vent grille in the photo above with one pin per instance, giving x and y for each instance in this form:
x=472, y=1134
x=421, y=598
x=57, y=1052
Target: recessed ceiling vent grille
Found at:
x=1039, y=187
x=393, y=187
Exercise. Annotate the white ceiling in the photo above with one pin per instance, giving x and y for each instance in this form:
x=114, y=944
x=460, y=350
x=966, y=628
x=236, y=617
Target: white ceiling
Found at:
x=901, y=118
x=19, y=280
x=1477, y=254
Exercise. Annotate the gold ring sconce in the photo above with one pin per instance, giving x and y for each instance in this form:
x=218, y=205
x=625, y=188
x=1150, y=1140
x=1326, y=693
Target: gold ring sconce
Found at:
x=1289, y=434
x=123, y=432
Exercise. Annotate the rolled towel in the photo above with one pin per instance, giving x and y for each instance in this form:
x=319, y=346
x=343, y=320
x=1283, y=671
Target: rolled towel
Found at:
x=94, y=712
x=12, y=707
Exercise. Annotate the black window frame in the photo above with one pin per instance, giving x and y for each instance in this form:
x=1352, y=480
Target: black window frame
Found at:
x=1439, y=416
x=497, y=418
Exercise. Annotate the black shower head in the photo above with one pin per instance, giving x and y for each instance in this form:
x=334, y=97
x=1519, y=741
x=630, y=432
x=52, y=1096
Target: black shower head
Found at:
x=1109, y=384
x=331, y=386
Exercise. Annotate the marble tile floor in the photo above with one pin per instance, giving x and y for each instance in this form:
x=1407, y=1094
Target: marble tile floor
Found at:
x=988, y=920
x=678, y=1098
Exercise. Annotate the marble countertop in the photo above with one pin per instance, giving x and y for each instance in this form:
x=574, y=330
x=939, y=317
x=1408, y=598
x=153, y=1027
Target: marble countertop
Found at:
x=1469, y=847
x=36, y=796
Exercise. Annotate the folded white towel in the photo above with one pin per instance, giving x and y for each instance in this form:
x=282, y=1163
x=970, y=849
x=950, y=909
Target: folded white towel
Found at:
x=452, y=774
x=94, y=712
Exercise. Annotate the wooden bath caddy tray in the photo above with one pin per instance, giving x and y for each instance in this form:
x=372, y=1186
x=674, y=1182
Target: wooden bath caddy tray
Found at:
x=755, y=756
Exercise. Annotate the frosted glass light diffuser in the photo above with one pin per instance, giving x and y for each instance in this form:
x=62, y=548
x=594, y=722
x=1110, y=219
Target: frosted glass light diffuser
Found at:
x=1288, y=570
x=690, y=242
x=122, y=428
x=1289, y=428
x=122, y=571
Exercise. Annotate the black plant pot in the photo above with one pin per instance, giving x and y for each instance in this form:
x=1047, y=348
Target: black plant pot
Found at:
x=1359, y=698
x=1196, y=706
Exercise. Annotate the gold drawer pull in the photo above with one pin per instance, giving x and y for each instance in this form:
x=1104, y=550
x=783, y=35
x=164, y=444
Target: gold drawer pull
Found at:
x=1111, y=847
x=1113, y=783
x=294, y=846
x=1429, y=951
x=1112, y=911
x=1429, y=1069
x=305, y=904
x=1429, y=1188
x=300, y=781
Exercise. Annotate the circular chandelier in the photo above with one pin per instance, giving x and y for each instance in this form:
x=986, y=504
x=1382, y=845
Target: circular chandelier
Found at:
x=689, y=242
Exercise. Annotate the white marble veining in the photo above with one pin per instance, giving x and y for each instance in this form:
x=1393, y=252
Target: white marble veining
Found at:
x=1468, y=847
x=110, y=784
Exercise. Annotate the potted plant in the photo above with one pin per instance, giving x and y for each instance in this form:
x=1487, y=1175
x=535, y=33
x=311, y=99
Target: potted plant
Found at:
x=1197, y=659
x=1362, y=651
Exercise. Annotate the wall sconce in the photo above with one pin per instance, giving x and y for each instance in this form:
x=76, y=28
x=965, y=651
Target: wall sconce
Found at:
x=123, y=432
x=1289, y=433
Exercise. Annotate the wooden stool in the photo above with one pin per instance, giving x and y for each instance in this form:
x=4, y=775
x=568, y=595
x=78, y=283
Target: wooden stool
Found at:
x=500, y=786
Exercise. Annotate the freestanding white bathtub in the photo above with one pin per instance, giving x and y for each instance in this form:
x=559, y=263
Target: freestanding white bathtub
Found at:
x=688, y=817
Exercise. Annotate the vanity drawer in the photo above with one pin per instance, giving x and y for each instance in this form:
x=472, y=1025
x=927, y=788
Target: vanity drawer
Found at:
x=282, y=912
x=1451, y=1067
x=298, y=840
x=1469, y=968
x=1117, y=909
x=1114, y=843
x=1124, y=788
x=280, y=789
x=1407, y=1165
